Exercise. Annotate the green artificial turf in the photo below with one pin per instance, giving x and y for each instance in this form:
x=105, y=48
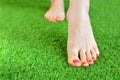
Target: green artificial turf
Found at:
x=32, y=48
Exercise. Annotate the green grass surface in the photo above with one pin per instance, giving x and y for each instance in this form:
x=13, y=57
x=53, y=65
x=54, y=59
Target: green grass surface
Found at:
x=32, y=48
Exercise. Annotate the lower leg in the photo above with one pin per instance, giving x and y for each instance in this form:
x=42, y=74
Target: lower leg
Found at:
x=56, y=11
x=82, y=48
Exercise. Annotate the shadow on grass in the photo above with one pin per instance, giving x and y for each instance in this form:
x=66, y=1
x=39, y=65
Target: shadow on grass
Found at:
x=57, y=40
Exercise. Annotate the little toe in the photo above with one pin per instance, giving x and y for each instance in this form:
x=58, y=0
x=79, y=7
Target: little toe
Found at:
x=97, y=51
x=97, y=54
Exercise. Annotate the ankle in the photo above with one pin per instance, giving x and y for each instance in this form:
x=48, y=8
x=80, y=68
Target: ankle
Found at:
x=57, y=2
x=80, y=4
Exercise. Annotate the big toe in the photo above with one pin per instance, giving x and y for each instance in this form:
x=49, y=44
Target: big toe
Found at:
x=74, y=61
x=49, y=17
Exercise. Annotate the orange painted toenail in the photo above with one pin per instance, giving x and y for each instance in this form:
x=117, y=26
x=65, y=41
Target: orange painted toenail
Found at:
x=76, y=61
x=90, y=61
x=84, y=62
x=93, y=58
x=97, y=54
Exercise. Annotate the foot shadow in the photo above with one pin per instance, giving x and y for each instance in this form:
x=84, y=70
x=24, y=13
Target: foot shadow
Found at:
x=58, y=40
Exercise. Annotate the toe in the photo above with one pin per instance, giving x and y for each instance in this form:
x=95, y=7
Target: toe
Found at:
x=76, y=62
x=59, y=18
x=54, y=19
x=93, y=54
x=97, y=51
x=73, y=60
x=97, y=55
x=50, y=18
x=46, y=16
x=89, y=57
x=83, y=58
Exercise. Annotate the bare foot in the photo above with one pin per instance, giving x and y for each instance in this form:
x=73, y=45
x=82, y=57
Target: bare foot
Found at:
x=56, y=11
x=82, y=48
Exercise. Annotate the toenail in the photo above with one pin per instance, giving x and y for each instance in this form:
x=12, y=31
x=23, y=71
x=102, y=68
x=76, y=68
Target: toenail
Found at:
x=84, y=62
x=93, y=58
x=76, y=61
x=97, y=54
x=90, y=61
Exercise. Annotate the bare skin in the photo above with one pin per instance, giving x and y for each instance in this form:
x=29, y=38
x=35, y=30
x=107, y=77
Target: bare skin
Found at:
x=56, y=11
x=81, y=47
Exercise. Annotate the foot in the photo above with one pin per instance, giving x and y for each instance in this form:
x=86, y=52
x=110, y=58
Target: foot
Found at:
x=56, y=11
x=82, y=48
